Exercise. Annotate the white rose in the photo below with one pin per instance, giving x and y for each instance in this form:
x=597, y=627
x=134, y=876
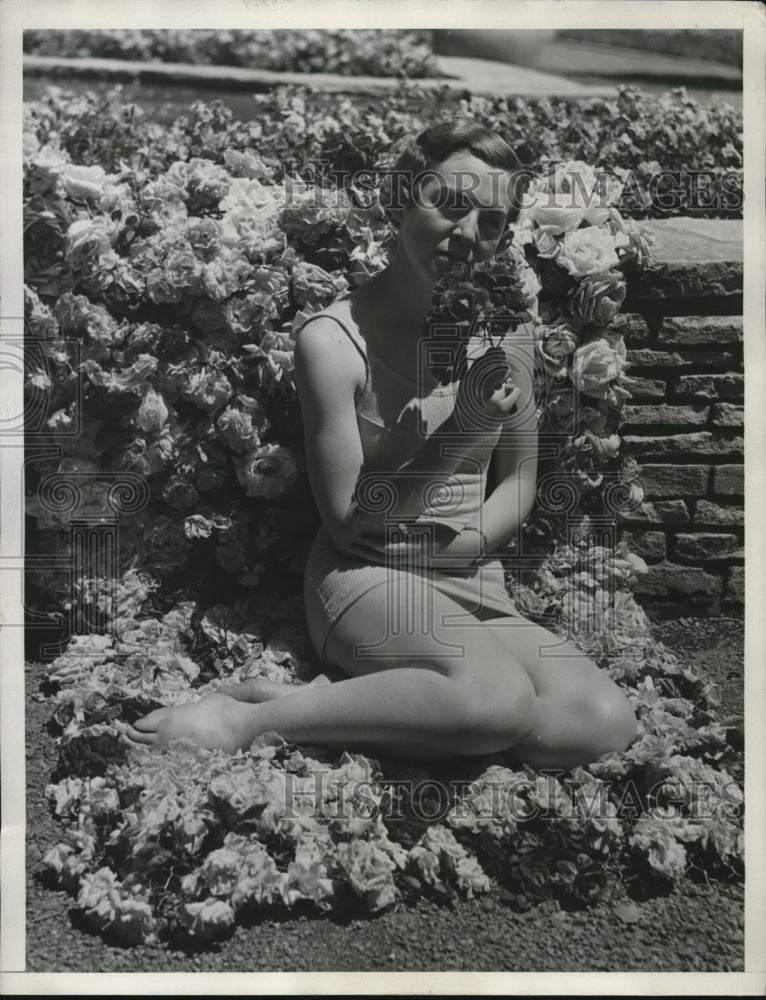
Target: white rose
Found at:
x=251, y=211
x=83, y=182
x=588, y=251
x=246, y=164
x=594, y=367
x=152, y=413
x=208, y=918
x=588, y=188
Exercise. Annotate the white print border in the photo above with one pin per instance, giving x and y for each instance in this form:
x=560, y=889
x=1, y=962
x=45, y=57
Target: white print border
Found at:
x=14, y=16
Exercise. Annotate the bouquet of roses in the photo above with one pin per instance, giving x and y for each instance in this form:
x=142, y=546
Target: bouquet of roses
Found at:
x=580, y=246
x=474, y=306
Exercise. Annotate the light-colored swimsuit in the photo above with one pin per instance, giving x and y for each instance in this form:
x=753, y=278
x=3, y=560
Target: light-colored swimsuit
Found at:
x=394, y=416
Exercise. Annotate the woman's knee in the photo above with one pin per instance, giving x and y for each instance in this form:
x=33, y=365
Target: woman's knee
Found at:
x=610, y=721
x=493, y=714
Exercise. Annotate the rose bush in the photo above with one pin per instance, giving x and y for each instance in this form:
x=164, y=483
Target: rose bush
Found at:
x=161, y=306
x=350, y=53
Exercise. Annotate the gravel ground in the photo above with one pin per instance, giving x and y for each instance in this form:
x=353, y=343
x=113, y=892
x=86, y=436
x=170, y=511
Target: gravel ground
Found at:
x=697, y=927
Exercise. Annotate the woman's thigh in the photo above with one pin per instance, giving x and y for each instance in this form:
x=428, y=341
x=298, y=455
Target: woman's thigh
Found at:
x=411, y=623
x=557, y=668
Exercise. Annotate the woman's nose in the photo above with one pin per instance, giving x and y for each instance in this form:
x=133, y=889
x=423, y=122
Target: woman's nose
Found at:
x=467, y=229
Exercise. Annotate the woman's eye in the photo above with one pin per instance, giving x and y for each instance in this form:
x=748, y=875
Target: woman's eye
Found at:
x=454, y=208
x=493, y=225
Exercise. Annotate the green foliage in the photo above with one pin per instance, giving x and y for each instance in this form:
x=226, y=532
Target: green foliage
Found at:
x=360, y=52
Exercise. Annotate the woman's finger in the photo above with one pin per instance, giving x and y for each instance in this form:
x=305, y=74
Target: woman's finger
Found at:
x=512, y=398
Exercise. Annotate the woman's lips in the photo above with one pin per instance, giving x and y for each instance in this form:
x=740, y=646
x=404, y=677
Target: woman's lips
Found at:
x=451, y=258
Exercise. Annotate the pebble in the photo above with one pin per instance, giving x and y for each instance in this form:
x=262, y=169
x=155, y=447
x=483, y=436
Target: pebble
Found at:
x=628, y=913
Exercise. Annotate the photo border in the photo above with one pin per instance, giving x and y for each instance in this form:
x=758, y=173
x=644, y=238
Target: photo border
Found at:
x=16, y=15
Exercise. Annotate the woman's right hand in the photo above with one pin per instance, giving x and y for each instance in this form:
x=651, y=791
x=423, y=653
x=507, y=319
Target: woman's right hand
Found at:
x=487, y=392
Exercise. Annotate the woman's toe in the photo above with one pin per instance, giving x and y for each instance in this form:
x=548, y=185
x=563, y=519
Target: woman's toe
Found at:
x=150, y=723
x=137, y=736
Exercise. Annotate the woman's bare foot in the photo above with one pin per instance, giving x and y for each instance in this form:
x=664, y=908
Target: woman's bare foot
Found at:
x=257, y=689
x=216, y=722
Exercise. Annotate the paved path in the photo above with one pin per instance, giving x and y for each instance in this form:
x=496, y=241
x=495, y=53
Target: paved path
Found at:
x=588, y=59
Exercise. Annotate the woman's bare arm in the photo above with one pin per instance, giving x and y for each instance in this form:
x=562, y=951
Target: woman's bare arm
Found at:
x=515, y=456
x=327, y=375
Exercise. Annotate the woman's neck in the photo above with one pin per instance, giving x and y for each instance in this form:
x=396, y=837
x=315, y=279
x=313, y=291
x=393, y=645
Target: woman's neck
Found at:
x=407, y=296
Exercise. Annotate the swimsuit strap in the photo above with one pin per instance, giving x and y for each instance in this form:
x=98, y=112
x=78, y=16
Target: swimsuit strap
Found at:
x=354, y=336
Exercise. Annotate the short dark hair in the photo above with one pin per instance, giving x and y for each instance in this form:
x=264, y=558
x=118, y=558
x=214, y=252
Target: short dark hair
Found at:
x=436, y=144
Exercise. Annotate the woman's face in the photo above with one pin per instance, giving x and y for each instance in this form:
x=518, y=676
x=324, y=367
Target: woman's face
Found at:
x=458, y=213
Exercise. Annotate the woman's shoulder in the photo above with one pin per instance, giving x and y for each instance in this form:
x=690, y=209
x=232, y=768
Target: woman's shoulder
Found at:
x=329, y=342
x=336, y=315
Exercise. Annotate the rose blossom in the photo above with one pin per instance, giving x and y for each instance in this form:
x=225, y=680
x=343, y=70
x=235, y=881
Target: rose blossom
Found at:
x=237, y=429
x=182, y=268
x=592, y=419
x=205, y=182
x=654, y=836
x=587, y=251
x=204, y=236
x=251, y=214
x=555, y=218
x=597, y=300
x=545, y=241
x=207, y=389
x=86, y=240
x=280, y=348
x=152, y=413
x=268, y=471
x=595, y=365
x=223, y=276
x=245, y=164
x=591, y=189
x=208, y=918
x=313, y=286
x=570, y=194
x=164, y=197
x=44, y=169
x=179, y=493
x=555, y=345
x=83, y=182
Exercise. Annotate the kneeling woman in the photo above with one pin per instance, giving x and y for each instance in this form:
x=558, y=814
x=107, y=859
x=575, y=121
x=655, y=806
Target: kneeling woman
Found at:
x=434, y=658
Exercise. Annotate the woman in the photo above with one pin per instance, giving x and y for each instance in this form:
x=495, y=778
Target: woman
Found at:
x=402, y=598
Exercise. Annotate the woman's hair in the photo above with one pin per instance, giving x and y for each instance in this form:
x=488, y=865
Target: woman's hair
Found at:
x=435, y=145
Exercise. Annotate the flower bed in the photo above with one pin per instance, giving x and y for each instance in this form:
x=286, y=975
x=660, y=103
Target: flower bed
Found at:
x=360, y=52
x=167, y=272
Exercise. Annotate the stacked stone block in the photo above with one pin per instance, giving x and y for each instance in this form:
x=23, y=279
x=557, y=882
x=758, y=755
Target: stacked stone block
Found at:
x=682, y=324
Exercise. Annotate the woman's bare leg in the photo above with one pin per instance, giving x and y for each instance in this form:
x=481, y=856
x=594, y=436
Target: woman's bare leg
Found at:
x=257, y=689
x=468, y=687
x=452, y=690
x=581, y=714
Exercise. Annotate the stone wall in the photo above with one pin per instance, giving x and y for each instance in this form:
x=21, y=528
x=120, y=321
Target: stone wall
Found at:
x=685, y=423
